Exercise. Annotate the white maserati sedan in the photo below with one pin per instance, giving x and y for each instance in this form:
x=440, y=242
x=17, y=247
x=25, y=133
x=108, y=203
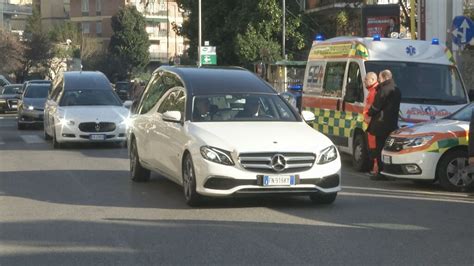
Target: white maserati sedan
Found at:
x=223, y=132
x=82, y=107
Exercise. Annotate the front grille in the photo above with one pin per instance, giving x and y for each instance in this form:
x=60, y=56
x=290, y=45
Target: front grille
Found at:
x=97, y=127
x=395, y=144
x=290, y=162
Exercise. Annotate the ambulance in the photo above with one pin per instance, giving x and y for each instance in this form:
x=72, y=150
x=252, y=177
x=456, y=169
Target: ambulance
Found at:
x=425, y=72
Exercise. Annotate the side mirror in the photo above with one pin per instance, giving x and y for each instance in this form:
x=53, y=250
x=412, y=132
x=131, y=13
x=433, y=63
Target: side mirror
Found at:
x=308, y=116
x=172, y=116
x=127, y=104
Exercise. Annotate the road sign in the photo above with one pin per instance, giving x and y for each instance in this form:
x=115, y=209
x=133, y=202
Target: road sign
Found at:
x=462, y=30
x=208, y=55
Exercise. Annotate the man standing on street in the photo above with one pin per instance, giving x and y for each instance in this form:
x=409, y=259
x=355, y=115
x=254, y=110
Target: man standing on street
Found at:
x=371, y=84
x=384, y=114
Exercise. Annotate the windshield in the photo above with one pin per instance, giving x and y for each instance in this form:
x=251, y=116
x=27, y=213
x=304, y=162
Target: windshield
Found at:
x=464, y=114
x=11, y=89
x=424, y=83
x=37, y=91
x=241, y=107
x=89, y=97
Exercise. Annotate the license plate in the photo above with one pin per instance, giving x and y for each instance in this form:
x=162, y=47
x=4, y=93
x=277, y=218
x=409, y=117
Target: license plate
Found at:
x=14, y=106
x=280, y=180
x=387, y=159
x=97, y=137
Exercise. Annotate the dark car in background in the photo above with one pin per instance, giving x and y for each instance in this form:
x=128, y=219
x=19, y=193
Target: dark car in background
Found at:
x=123, y=88
x=31, y=105
x=9, y=97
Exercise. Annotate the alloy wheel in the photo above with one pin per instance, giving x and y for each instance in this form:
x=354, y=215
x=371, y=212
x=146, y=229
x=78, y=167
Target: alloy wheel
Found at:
x=458, y=172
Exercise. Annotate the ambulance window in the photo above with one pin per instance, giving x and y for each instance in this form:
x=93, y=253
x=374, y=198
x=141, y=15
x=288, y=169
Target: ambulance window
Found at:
x=354, y=83
x=314, y=80
x=334, y=79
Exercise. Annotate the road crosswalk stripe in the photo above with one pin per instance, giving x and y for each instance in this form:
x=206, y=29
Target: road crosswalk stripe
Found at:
x=32, y=139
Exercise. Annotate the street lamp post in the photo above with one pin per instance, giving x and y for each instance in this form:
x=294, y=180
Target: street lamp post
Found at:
x=284, y=30
x=200, y=36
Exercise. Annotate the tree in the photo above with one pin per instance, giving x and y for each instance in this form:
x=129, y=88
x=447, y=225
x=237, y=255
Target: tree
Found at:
x=245, y=31
x=38, y=50
x=129, y=43
x=11, y=50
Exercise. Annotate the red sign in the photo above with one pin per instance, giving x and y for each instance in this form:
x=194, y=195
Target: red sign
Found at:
x=382, y=25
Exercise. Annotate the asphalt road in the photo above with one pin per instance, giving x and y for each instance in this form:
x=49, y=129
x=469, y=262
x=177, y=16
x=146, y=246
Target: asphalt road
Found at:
x=77, y=206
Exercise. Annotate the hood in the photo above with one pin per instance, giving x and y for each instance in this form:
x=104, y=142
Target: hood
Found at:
x=260, y=136
x=8, y=96
x=440, y=126
x=38, y=103
x=415, y=113
x=94, y=113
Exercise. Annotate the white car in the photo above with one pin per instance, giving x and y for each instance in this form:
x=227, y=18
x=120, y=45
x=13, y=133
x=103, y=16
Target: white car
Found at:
x=432, y=151
x=222, y=132
x=82, y=107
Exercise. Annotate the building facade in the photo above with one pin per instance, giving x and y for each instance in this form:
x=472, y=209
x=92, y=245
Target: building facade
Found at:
x=94, y=18
x=13, y=14
x=53, y=12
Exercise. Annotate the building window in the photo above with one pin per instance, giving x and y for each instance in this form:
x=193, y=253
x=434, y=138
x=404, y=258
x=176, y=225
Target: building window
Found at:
x=98, y=28
x=85, y=7
x=98, y=7
x=86, y=27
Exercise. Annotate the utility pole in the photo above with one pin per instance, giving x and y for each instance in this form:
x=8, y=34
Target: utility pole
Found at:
x=200, y=35
x=283, y=54
x=412, y=19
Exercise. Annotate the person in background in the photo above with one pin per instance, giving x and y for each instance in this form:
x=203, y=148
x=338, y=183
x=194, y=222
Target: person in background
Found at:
x=384, y=115
x=371, y=84
x=201, y=109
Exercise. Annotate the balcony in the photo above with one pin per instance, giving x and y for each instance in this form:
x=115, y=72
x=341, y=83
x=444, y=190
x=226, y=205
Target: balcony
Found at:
x=11, y=9
x=327, y=5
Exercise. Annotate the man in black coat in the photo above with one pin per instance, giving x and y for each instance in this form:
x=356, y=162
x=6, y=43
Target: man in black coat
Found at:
x=384, y=114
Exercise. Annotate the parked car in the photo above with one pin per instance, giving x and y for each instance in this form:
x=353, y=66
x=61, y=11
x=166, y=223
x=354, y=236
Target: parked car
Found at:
x=31, y=105
x=37, y=81
x=222, y=132
x=3, y=81
x=432, y=151
x=83, y=107
x=9, y=98
x=122, y=88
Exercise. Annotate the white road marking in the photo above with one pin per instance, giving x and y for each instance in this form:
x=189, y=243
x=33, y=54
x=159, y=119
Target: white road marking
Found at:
x=420, y=192
x=32, y=139
x=405, y=197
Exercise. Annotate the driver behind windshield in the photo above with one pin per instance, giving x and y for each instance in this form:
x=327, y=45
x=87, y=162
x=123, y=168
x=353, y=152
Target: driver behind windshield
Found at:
x=251, y=108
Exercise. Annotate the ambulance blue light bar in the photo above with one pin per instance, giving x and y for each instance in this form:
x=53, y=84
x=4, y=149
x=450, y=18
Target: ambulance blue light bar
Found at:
x=377, y=37
x=319, y=37
x=435, y=41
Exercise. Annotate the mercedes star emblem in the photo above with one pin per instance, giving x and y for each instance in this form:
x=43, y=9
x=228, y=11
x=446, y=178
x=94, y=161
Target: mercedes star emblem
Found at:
x=278, y=162
x=97, y=127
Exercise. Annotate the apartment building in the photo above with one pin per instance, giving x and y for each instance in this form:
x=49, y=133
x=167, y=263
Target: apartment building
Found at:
x=94, y=17
x=53, y=12
x=13, y=14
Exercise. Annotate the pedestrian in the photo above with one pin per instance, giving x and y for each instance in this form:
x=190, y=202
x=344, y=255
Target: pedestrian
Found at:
x=384, y=115
x=471, y=141
x=371, y=84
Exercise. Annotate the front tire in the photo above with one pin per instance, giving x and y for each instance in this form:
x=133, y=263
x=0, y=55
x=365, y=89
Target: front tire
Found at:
x=137, y=172
x=192, y=198
x=56, y=144
x=360, y=154
x=20, y=126
x=46, y=136
x=323, y=198
x=453, y=171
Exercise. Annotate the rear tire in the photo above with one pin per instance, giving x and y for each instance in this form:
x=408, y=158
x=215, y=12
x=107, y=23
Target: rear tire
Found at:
x=360, y=154
x=453, y=174
x=323, y=198
x=191, y=196
x=20, y=126
x=137, y=172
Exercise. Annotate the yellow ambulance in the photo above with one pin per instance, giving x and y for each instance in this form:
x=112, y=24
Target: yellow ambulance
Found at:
x=333, y=90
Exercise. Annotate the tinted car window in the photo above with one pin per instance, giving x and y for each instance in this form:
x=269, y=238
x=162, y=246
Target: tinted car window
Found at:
x=241, y=107
x=89, y=97
x=37, y=91
x=174, y=102
x=11, y=89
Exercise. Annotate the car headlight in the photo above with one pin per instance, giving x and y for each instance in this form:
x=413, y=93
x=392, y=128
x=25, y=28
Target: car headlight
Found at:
x=65, y=122
x=30, y=107
x=216, y=155
x=127, y=122
x=327, y=155
x=417, y=141
x=3, y=101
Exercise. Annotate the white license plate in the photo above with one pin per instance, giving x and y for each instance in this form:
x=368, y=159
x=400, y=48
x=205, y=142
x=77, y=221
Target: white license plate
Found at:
x=387, y=159
x=13, y=105
x=278, y=180
x=97, y=137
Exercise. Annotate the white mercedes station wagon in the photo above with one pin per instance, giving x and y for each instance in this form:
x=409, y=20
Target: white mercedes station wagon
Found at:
x=222, y=132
